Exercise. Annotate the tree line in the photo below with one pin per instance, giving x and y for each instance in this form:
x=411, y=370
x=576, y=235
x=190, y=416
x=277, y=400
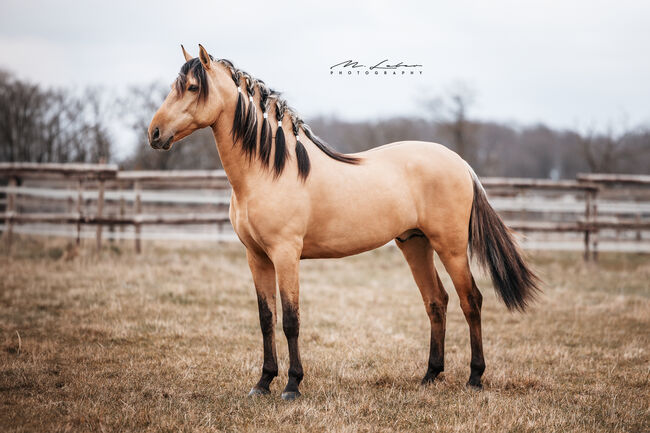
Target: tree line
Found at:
x=51, y=125
x=62, y=125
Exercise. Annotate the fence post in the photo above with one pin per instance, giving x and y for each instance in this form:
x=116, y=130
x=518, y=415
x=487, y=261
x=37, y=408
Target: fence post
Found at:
x=594, y=219
x=122, y=213
x=587, y=223
x=100, y=210
x=70, y=202
x=10, y=209
x=138, y=209
x=79, y=207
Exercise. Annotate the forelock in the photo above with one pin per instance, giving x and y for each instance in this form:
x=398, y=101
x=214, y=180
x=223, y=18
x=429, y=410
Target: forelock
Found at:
x=193, y=68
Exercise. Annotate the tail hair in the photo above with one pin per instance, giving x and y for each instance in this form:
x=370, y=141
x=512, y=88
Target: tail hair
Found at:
x=493, y=245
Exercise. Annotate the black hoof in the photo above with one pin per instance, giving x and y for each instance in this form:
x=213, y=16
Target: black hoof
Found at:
x=258, y=391
x=290, y=395
x=474, y=384
x=430, y=378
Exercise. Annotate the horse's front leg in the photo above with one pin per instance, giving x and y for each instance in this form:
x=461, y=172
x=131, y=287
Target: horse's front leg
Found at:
x=264, y=279
x=287, y=262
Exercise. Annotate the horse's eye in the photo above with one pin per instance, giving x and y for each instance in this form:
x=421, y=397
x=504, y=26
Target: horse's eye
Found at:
x=193, y=88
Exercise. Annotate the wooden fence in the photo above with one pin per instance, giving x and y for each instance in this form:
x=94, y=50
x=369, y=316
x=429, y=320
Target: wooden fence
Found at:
x=109, y=178
x=102, y=175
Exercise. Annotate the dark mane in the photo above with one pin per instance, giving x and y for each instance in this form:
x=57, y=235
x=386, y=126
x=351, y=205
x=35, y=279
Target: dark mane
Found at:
x=272, y=105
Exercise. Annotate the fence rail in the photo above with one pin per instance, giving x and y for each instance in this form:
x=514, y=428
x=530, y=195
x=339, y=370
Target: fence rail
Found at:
x=525, y=183
x=113, y=186
x=73, y=218
x=171, y=175
x=630, y=179
x=75, y=171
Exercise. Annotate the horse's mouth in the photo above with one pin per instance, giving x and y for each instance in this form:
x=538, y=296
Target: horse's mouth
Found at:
x=163, y=146
x=168, y=144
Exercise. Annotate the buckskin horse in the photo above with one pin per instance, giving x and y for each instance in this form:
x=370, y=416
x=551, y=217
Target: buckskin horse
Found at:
x=294, y=197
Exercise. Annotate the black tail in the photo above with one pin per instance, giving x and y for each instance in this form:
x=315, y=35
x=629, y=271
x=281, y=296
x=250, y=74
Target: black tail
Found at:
x=492, y=244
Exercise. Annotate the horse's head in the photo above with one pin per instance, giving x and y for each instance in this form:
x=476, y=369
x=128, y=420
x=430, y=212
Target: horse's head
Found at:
x=187, y=106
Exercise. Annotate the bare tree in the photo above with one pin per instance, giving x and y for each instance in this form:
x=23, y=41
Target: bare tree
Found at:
x=97, y=110
x=606, y=152
x=450, y=113
x=21, y=107
x=50, y=125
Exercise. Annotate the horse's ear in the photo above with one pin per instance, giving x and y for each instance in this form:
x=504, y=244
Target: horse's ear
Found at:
x=204, y=57
x=186, y=54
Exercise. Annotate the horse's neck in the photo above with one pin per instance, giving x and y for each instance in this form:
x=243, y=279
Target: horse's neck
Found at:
x=238, y=168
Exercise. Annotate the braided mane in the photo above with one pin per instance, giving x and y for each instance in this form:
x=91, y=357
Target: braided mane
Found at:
x=244, y=127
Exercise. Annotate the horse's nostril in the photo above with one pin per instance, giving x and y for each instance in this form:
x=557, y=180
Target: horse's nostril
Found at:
x=156, y=134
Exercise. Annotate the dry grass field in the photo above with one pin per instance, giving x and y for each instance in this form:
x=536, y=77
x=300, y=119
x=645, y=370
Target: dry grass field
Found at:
x=170, y=341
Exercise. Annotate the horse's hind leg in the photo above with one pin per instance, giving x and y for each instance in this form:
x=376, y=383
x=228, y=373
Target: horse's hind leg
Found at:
x=457, y=264
x=419, y=254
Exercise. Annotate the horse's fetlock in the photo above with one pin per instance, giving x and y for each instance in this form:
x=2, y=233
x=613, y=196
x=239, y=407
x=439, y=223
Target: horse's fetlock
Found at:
x=477, y=367
x=296, y=373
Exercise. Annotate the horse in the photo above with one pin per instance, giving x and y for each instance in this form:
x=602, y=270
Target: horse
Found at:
x=294, y=197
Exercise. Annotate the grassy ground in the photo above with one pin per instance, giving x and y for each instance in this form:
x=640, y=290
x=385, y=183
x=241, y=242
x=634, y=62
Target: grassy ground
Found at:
x=170, y=341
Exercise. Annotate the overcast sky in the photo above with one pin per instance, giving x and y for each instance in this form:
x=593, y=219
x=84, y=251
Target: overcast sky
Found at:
x=565, y=63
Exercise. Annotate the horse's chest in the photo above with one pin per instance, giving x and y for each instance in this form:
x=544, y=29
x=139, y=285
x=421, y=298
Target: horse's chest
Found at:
x=242, y=224
x=238, y=219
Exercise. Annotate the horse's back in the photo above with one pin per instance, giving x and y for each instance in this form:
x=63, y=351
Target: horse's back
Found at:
x=427, y=151
x=426, y=165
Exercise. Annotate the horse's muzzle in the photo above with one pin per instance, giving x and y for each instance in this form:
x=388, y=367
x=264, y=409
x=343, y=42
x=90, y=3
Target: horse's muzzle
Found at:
x=156, y=142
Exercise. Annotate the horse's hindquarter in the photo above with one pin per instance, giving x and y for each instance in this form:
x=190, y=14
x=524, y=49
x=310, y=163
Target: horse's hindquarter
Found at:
x=396, y=188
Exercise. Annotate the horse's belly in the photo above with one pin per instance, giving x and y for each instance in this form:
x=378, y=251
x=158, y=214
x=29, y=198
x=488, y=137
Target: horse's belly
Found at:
x=355, y=229
x=341, y=246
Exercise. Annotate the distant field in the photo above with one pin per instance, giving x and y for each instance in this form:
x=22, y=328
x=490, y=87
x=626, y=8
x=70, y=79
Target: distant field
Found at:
x=170, y=341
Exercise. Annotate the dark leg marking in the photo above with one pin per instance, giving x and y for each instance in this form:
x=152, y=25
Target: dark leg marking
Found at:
x=436, y=363
x=270, y=366
x=291, y=327
x=473, y=316
x=437, y=311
